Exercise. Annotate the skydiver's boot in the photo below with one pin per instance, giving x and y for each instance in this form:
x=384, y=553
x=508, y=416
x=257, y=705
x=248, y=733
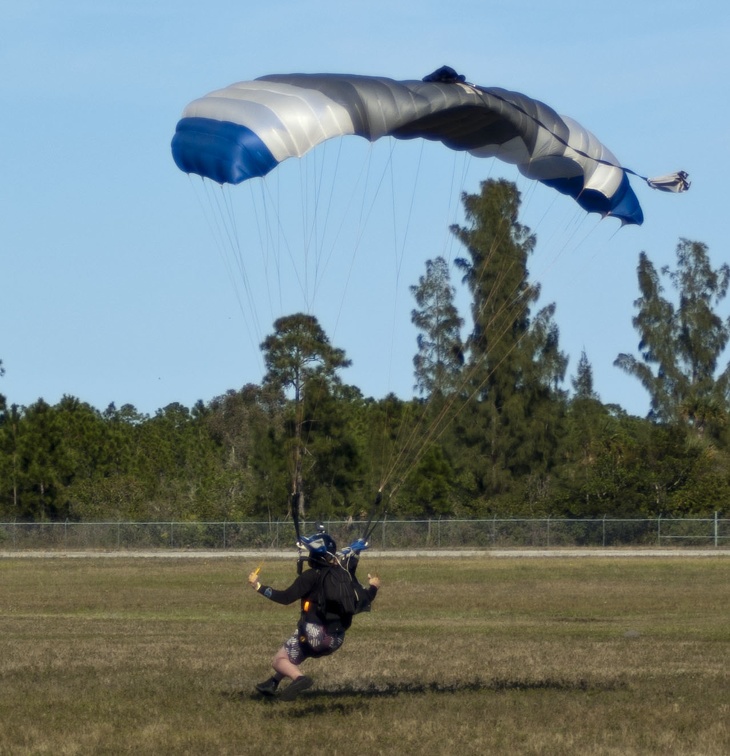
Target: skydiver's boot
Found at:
x=268, y=687
x=296, y=687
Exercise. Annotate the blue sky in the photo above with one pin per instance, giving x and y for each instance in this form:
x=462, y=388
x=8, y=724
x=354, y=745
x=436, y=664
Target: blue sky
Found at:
x=117, y=288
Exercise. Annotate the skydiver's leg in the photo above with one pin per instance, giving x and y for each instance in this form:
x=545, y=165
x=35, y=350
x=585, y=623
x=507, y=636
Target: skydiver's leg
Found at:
x=283, y=666
x=287, y=660
x=286, y=663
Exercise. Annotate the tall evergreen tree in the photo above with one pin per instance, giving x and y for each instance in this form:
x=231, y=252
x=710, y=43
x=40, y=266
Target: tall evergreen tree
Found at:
x=681, y=344
x=582, y=382
x=297, y=352
x=515, y=362
x=440, y=354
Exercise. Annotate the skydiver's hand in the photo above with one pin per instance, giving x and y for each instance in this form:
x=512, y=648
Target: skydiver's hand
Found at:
x=374, y=580
x=253, y=580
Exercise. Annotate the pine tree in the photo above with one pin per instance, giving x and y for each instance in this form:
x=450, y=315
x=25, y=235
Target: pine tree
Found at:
x=583, y=381
x=515, y=363
x=440, y=357
x=297, y=352
x=681, y=344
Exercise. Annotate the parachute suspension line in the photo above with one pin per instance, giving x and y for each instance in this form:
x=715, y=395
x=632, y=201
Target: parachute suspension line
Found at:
x=269, y=244
x=420, y=439
x=281, y=238
x=311, y=176
x=455, y=196
x=411, y=448
x=263, y=233
x=309, y=226
x=304, y=210
x=314, y=234
x=374, y=516
x=322, y=258
x=367, y=180
x=313, y=240
x=454, y=405
x=399, y=251
x=449, y=412
x=364, y=181
x=556, y=242
x=220, y=218
x=279, y=221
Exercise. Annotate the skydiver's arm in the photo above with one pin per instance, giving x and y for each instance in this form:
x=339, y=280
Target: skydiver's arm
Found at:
x=298, y=589
x=372, y=589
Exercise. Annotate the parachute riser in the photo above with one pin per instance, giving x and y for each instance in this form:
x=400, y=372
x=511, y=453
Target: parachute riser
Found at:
x=374, y=517
x=311, y=548
x=295, y=519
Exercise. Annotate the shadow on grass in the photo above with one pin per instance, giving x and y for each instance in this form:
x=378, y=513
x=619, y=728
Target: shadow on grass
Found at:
x=346, y=699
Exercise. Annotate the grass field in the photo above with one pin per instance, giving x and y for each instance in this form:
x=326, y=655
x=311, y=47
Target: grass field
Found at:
x=475, y=656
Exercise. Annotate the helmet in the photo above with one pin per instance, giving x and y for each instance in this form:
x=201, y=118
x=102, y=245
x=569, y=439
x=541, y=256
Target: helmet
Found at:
x=319, y=544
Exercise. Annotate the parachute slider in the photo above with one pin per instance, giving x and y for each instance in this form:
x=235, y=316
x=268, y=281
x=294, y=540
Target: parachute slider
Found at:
x=672, y=182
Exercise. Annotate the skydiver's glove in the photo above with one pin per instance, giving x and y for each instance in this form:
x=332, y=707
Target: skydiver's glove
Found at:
x=253, y=580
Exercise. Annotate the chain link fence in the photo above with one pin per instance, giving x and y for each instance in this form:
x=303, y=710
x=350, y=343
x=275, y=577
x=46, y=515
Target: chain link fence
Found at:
x=498, y=532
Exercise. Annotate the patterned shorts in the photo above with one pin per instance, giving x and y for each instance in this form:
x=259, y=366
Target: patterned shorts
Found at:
x=313, y=642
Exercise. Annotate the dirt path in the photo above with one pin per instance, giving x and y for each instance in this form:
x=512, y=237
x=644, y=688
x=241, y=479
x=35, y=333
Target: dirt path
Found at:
x=572, y=553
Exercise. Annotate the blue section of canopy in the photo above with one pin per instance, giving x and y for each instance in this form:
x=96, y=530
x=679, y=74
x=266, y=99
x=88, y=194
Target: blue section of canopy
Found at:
x=622, y=204
x=625, y=204
x=220, y=150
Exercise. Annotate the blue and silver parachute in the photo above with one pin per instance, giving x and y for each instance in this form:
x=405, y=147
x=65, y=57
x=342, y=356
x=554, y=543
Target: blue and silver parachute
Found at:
x=246, y=129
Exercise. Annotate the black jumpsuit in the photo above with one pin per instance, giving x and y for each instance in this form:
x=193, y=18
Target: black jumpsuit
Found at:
x=313, y=638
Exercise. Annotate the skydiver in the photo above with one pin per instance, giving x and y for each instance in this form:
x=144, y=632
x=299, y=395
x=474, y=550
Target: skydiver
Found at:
x=314, y=636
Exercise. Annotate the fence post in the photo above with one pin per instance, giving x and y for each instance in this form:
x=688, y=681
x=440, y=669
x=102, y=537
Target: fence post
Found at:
x=385, y=517
x=548, y=531
x=604, y=531
x=717, y=534
x=659, y=530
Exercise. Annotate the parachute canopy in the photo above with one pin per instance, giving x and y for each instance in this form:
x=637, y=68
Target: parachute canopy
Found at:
x=246, y=129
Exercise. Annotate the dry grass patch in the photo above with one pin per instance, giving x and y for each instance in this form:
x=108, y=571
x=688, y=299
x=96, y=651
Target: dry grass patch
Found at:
x=558, y=656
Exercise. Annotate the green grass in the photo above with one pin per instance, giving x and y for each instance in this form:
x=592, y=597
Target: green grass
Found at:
x=476, y=656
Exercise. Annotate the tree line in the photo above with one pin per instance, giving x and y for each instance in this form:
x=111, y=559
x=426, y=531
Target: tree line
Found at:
x=492, y=428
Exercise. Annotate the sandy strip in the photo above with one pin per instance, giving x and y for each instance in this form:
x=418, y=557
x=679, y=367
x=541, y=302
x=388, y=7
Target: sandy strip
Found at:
x=572, y=553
